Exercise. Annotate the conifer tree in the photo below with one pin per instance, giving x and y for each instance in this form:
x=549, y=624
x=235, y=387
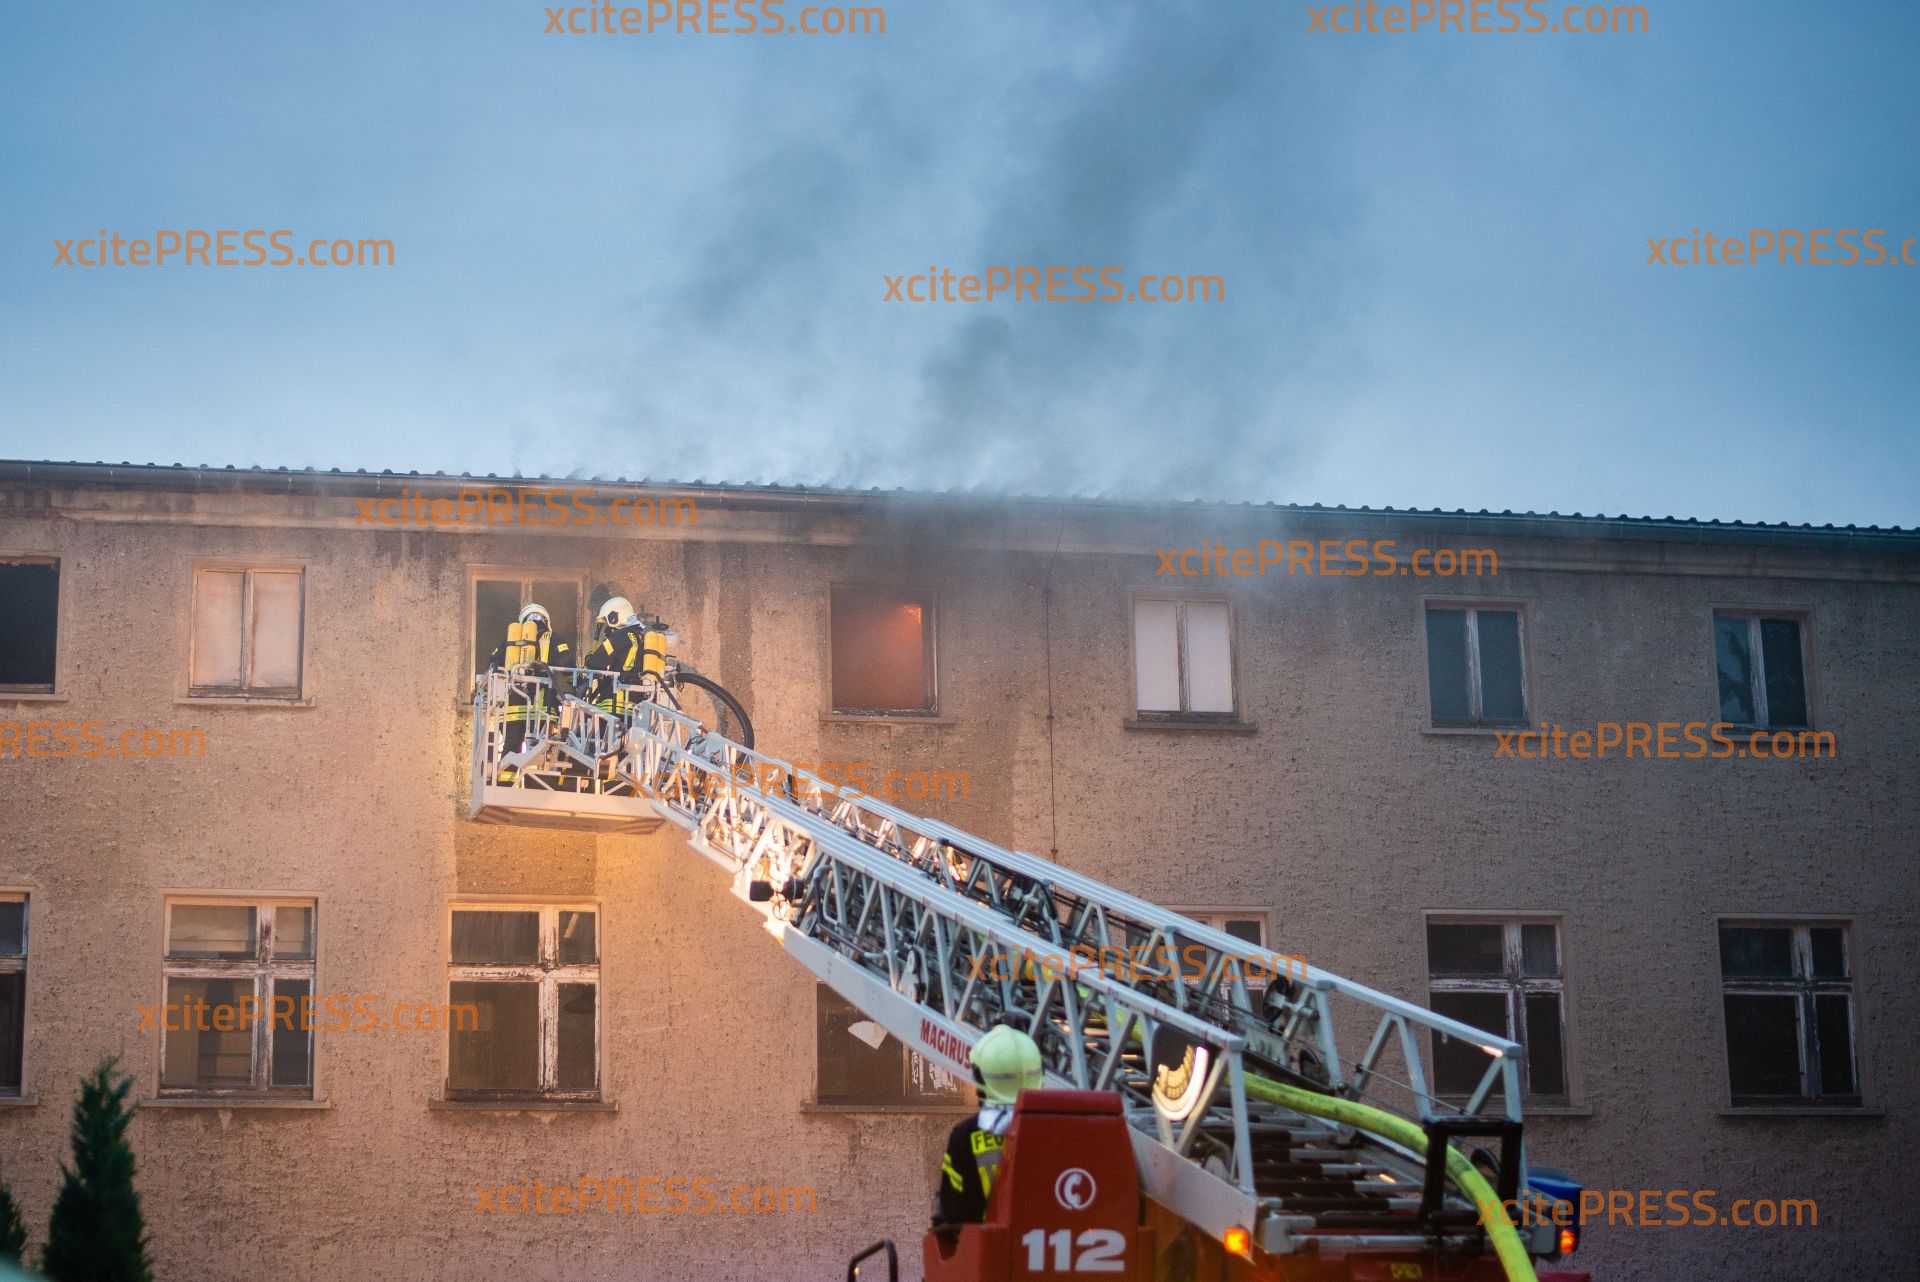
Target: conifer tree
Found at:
x=97, y=1234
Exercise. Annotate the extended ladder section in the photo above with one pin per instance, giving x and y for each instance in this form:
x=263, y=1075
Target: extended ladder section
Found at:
x=939, y=935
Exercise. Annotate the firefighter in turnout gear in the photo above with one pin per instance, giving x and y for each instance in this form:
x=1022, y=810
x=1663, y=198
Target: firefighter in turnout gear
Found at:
x=530, y=644
x=1005, y=1062
x=619, y=641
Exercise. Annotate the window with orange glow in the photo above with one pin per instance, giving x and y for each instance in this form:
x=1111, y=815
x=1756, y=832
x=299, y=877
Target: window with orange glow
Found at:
x=882, y=651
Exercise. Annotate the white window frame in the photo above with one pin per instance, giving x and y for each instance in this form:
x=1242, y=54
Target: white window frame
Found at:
x=11, y=965
x=526, y=578
x=1757, y=683
x=1804, y=988
x=265, y=970
x=1516, y=987
x=1476, y=694
x=549, y=973
x=245, y=690
x=51, y=689
x=1180, y=601
x=1216, y=918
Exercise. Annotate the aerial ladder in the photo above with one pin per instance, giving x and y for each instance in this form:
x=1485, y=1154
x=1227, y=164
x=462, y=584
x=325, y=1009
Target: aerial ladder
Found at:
x=1263, y=1151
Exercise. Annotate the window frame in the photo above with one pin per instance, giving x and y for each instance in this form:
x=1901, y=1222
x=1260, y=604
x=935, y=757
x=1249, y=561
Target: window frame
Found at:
x=1805, y=988
x=1476, y=699
x=1515, y=987
x=28, y=691
x=928, y=600
x=1184, y=716
x=10, y=965
x=526, y=577
x=244, y=693
x=1216, y=918
x=260, y=967
x=550, y=973
x=1802, y=616
x=965, y=1099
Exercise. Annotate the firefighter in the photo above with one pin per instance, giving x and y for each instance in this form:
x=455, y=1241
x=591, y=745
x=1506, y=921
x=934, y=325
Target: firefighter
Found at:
x=534, y=705
x=618, y=642
x=1005, y=1062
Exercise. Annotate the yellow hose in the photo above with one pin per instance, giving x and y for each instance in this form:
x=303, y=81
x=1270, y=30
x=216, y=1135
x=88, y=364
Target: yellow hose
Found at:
x=1506, y=1242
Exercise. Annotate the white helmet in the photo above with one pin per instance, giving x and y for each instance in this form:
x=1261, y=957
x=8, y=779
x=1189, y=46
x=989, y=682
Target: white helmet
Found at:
x=539, y=612
x=617, y=612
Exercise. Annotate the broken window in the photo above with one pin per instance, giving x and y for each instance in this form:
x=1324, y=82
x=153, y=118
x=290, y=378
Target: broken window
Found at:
x=1475, y=673
x=1183, y=658
x=1787, y=990
x=524, y=985
x=1762, y=670
x=859, y=1065
x=237, y=1006
x=1503, y=975
x=882, y=651
x=247, y=629
x=498, y=599
x=28, y=626
x=13, y=991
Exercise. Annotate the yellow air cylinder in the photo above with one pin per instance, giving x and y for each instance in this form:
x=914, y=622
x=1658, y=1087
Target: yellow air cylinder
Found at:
x=653, y=653
x=517, y=649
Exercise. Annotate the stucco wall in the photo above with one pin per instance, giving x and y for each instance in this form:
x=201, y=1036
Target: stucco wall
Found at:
x=1340, y=815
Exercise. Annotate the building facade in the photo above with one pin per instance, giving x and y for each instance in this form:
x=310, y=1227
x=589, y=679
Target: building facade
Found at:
x=1638, y=793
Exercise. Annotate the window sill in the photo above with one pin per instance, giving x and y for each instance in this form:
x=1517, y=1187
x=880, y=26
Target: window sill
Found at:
x=883, y=719
x=31, y=696
x=521, y=1106
x=1556, y=1110
x=19, y=1101
x=251, y=1104
x=1482, y=731
x=1182, y=723
x=1801, y=1110
x=926, y=1110
x=237, y=701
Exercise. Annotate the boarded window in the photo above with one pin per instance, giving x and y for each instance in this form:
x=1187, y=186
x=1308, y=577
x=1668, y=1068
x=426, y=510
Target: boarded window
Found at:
x=1183, y=658
x=857, y=1064
x=237, y=1014
x=882, y=651
x=524, y=985
x=1476, y=674
x=1787, y=993
x=28, y=624
x=1503, y=976
x=1761, y=670
x=13, y=991
x=247, y=630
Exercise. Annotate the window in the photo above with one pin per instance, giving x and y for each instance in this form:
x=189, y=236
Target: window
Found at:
x=247, y=627
x=238, y=1012
x=1249, y=924
x=499, y=598
x=531, y=975
x=1504, y=976
x=1475, y=673
x=857, y=1064
x=1788, y=993
x=31, y=588
x=13, y=991
x=882, y=642
x=1762, y=667
x=1183, y=658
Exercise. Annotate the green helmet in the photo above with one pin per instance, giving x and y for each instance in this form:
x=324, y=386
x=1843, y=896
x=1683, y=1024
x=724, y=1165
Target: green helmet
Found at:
x=1005, y=1062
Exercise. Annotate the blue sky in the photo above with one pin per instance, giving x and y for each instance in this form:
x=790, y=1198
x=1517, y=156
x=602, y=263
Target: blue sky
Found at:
x=665, y=255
